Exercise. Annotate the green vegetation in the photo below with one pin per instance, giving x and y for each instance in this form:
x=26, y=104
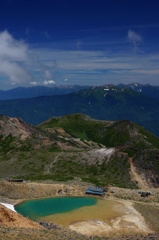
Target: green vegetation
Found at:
x=37, y=165
x=77, y=126
x=110, y=134
x=81, y=126
x=149, y=137
x=7, y=143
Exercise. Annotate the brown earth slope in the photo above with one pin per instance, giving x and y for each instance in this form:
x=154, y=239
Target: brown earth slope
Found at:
x=11, y=219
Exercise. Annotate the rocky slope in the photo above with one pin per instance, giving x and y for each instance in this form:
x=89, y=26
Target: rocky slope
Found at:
x=17, y=134
x=17, y=128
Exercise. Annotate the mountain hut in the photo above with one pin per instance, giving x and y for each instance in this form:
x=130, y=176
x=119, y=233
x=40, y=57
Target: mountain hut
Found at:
x=95, y=191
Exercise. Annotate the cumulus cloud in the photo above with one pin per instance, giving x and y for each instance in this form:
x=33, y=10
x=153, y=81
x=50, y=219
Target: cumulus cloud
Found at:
x=10, y=48
x=34, y=83
x=134, y=38
x=47, y=82
x=13, y=54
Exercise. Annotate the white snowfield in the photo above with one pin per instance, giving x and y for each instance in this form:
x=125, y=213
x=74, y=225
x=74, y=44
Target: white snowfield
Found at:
x=9, y=206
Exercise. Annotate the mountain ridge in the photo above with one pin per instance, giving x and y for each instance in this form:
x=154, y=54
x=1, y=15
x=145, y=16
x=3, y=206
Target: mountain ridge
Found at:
x=39, y=90
x=105, y=103
x=36, y=91
x=147, y=89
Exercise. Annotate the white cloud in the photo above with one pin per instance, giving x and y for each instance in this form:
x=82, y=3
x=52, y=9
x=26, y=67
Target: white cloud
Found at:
x=14, y=71
x=34, y=83
x=47, y=82
x=47, y=74
x=12, y=49
x=13, y=54
x=134, y=38
x=99, y=67
x=85, y=67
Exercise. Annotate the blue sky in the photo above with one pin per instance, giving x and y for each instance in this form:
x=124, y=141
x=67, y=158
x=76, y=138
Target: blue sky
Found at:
x=84, y=42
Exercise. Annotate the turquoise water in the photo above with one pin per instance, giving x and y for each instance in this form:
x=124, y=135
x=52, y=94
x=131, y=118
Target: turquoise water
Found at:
x=35, y=209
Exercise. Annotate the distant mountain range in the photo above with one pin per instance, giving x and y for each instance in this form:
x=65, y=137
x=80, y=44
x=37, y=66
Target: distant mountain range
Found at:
x=132, y=102
x=36, y=91
x=77, y=146
x=149, y=90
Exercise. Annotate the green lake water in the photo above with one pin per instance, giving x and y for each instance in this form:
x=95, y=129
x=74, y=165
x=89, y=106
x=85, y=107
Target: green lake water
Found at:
x=35, y=209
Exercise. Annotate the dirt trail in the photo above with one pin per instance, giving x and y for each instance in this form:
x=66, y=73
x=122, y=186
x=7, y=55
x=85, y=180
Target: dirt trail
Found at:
x=136, y=176
x=51, y=164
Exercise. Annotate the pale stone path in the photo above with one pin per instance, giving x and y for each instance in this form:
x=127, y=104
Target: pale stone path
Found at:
x=136, y=176
x=51, y=164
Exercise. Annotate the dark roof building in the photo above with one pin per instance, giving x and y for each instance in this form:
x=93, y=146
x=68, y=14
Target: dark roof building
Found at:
x=95, y=191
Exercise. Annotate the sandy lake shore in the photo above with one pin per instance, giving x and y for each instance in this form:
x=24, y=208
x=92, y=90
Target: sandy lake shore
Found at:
x=127, y=221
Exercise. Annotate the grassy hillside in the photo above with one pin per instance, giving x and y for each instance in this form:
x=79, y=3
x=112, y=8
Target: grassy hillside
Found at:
x=77, y=146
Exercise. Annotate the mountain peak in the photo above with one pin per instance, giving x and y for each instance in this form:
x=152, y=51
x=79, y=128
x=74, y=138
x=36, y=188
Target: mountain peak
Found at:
x=15, y=127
